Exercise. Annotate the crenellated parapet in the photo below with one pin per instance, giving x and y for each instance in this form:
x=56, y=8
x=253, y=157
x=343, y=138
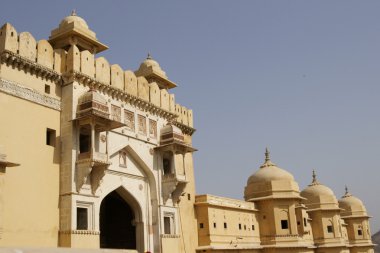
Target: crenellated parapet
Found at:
x=146, y=88
x=23, y=52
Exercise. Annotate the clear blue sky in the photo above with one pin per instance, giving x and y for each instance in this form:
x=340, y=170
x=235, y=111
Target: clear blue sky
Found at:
x=301, y=77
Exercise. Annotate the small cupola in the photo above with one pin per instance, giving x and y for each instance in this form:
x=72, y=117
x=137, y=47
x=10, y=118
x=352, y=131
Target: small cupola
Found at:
x=318, y=195
x=73, y=30
x=270, y=181
x=351, y=205
x=151, y=70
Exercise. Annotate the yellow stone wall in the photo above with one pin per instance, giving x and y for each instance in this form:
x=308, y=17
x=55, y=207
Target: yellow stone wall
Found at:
x=227, y=223
x=31, y=190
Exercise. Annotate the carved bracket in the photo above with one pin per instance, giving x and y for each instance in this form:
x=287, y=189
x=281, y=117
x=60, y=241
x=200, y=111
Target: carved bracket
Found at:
x=93, y=169
x=172, y=187
x=83, y=170
x=97, y=174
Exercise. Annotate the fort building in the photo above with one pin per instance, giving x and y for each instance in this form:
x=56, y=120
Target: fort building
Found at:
x=93, y=156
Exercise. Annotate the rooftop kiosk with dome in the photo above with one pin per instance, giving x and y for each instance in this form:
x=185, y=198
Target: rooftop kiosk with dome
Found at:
x=277, y=217
x=105, y=160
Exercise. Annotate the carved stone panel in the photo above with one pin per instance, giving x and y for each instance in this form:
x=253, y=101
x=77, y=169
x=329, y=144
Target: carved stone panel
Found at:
x=129, y=120
x=142, y=125
x=152, y=129
x=116, y=113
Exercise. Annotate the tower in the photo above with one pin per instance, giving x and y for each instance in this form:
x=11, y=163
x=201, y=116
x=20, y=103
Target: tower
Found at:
x=354, y=213
x=328, y=227
x=276, y=194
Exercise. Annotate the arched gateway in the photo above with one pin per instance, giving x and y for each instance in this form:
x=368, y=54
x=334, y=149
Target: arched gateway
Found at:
x=119, y=218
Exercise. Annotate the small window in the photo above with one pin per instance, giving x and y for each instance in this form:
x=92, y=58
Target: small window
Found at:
x=239, y=226
x=329, y=229
x=200, y=225
x=298, y=223
x=360, y=232
x=264, y=217
x=47, y=89
x=245, y=227
x=284, y=224
x=50, y=137
x=188, y=196
x=84, y=143
x=304, y=222
x=82, y=218
x=253, y=227
x=225, y=224
x=166, y=165
x=214, y=224
x=167, y=225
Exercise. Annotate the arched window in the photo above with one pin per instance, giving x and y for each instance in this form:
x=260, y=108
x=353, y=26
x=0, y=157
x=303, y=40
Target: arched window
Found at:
x=123, y=159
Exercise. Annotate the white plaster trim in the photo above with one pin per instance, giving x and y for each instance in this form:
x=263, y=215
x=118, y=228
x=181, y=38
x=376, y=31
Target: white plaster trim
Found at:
x=20, y=91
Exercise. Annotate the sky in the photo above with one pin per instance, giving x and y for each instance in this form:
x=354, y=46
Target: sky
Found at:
x=299, y=77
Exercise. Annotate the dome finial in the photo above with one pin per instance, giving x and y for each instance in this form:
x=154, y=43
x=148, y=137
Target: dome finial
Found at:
x=347, y=193
x=149, y=56
x=267, y=153
x=73, y=12
x=267, y=162
x=315, y=181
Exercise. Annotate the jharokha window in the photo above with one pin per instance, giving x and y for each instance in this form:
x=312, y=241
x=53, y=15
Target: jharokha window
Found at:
x=142, y=125
x=153, y=128
x=129, y=120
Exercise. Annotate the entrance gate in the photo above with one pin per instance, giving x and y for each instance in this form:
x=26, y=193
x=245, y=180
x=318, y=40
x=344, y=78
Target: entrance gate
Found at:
x=117, y=223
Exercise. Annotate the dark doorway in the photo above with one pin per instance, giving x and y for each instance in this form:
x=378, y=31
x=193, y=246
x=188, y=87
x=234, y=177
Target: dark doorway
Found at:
x=117, y=230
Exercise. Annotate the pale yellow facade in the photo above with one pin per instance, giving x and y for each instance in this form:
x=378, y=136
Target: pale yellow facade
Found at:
x=277, y=217
x=93, y=156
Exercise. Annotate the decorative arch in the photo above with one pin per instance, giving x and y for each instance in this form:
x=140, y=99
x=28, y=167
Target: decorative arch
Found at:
x=147, y=171
x=143, y=214
x=120, y=221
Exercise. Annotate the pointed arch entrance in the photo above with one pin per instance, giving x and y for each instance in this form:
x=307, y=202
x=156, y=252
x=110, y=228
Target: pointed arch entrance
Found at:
x=119, y=220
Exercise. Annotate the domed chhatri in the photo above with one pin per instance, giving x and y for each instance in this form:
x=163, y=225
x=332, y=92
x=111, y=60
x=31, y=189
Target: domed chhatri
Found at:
x=151, y=64
x=74, y=30
x=270, y=180
x=269, y=172
x=73, y=18
x=151, y=70
x=318, y=195
x=351, y=205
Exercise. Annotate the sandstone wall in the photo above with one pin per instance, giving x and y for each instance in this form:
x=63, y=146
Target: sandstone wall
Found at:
x=99, y=69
